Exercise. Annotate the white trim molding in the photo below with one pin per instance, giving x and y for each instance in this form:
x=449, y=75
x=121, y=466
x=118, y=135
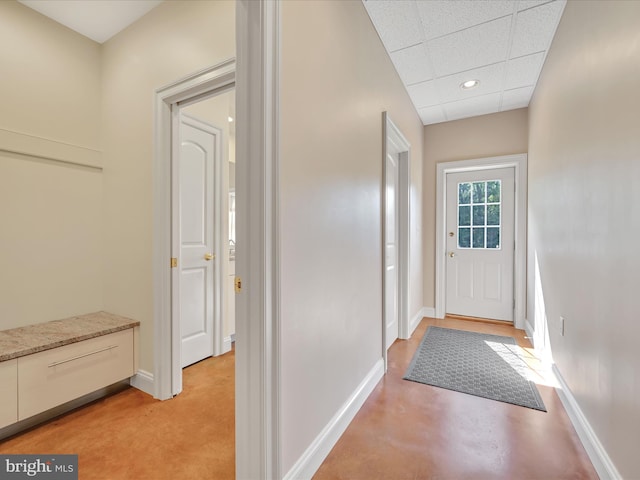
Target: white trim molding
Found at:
x=258, y=248
x=226, y=345
x=429, y=312
x=314, y=455
x=143, y=380
x=519, y=163
x=220, y=77
x=597, y=454
x=394, y=140
x=32, y=146
x=417, y=318
x=528, y=328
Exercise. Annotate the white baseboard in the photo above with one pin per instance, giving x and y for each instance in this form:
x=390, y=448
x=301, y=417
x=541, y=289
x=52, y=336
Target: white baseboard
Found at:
x=226, y=344
x=429, y=312
x=528, y=328
x=143, y=380
x=415, y=321
x=597, y=454
x=313, y=456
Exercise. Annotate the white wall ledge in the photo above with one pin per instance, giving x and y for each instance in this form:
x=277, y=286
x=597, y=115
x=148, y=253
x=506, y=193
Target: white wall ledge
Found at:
x=51, y=150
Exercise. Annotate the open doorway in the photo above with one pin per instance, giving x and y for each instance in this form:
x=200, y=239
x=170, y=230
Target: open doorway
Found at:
x=204, y=181
x=171, y=101
x=395, y=278
x=195, y=139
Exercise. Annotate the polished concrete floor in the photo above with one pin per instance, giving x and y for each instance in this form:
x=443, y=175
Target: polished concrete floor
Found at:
x=408, y=430
x=405, y=430
x=131, y=436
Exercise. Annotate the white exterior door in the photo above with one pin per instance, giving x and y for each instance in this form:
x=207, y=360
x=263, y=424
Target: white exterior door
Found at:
x=480, y=243
x=198, y=147
x=391, y=246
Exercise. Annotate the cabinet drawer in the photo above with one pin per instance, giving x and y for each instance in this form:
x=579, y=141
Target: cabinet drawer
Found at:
x=8, y=392
x=53, y=377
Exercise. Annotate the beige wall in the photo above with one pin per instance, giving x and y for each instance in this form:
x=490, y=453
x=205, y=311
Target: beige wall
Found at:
x=336, y=81
x=51, y=234
x=173, y=40
x=50, y=80
x=584, y=198
x=492, y=135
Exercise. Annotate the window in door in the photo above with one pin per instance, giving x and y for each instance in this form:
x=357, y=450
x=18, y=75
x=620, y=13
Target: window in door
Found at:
x=479, y=214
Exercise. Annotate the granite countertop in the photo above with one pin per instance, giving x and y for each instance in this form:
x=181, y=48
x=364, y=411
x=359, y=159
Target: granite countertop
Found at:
x=18, y=342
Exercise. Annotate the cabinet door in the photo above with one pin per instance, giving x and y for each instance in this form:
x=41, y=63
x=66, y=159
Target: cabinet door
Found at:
x=56, y=376
x=8, y=392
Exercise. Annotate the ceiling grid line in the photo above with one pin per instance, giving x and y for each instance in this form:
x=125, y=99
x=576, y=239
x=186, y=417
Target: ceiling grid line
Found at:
x=429, y=61
x=514, y=19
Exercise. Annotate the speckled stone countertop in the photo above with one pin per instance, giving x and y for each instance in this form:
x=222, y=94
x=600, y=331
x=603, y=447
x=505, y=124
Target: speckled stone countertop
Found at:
x=22, y=341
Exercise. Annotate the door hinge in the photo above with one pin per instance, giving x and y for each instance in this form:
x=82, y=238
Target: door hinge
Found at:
x=238, y=284
x=174, y=262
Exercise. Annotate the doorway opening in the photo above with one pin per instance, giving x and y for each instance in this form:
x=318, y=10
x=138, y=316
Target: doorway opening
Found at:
x=464, y=189
x=204, y=180
x=170, y=101
x=395, y=233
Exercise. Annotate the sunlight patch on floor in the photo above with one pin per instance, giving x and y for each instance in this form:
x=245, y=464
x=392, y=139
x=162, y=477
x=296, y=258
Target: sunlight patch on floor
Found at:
x=525, y=362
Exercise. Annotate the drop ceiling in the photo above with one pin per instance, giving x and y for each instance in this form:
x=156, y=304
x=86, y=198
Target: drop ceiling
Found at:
x=98, y=20
x=436, y=45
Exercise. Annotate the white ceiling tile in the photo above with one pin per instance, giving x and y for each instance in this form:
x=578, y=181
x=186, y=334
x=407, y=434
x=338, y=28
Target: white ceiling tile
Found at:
x=524, y=4
x=438, y=44
x=518, y=98
x=490, y=81
x=535, y=29
x=431, y=115
x=423, y=94
x=473, y=106
x=524, y=71
x=397, y=22
x=413, y=64
x=471, y=48
x=441, y=17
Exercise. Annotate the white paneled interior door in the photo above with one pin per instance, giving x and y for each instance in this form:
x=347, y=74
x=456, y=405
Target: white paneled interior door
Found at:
x=197, y=157
x=391, y=245
x=480, y=243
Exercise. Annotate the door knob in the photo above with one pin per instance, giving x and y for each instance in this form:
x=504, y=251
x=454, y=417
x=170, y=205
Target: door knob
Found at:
x=209, y=256
x=452, y=254
x=451, y=234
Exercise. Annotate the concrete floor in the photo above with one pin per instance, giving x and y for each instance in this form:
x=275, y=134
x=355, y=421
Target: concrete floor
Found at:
x=405, y=430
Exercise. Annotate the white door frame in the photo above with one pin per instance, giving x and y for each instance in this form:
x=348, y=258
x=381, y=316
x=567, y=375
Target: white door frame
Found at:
x=256, y=77
x=219, y=78
x=519, y=163
x=391, y=133
x=258, y=247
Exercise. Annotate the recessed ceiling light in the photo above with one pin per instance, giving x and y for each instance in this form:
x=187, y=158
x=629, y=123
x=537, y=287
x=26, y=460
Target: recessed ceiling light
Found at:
x=230, y=119
x=469, y=84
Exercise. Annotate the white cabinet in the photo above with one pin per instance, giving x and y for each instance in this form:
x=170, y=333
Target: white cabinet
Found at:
x=8, y=392
x=98, y=349
x=50, y=378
